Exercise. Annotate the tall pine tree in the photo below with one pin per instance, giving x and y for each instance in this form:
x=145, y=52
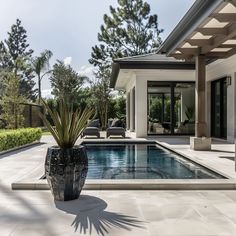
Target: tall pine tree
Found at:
x=129, y=30
x=14, y=49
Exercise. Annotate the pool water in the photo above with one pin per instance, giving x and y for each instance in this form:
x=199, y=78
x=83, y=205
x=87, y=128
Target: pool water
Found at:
x=141, y=161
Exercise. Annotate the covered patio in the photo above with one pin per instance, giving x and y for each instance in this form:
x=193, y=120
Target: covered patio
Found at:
x=207, y=33
x=201, y=49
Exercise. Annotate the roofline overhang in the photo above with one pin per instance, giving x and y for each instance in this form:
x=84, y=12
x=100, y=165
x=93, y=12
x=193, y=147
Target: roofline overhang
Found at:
x=117, y=65
x=114, y=74
x=200, y=10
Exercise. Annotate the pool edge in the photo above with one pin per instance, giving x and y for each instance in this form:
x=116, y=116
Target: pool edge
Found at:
x=194, y=160
x=217, y=184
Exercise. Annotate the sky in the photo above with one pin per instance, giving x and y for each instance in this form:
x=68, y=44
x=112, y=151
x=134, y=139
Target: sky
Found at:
x=69, y=27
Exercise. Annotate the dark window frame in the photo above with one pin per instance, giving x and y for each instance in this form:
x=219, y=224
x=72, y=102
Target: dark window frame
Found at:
x=223, y=115
x=172, y=85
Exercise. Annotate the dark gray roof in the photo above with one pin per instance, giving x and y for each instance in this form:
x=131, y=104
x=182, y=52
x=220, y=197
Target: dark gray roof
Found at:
x=200, y=10
x=148, y=61
x=147, y=57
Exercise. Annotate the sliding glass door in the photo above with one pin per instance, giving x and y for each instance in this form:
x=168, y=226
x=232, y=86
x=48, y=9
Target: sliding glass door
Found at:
x=171, y=108
x=159, y=107
x=184, y=108
x=219, y=108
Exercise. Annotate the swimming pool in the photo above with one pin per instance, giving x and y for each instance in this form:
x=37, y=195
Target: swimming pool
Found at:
x=141, y=161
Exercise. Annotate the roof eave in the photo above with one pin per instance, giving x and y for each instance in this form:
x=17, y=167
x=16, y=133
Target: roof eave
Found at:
x=114, y=74
x=154, y=65
x=200, y=10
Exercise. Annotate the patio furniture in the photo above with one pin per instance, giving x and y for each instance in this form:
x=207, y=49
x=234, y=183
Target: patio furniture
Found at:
x=115, y=128
x=186, y=128
x=116, y=131
x=167, y=127
x=158, y=128
x=92, y=129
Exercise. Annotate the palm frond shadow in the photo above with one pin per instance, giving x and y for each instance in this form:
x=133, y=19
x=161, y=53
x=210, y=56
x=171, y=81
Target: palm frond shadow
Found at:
x=90, y=214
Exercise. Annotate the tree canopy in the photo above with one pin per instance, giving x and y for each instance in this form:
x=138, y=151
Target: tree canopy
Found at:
x=128, y=30
x=65, y=82
x=15, y=56
x=40, y=66
x=11, y=102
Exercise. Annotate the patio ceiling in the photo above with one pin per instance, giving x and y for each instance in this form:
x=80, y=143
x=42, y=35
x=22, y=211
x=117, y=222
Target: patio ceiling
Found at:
x=214, y=35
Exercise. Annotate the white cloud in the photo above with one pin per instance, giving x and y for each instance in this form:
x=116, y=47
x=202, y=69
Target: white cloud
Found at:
x=46, y=93
x=67, y=61
x=86, y=70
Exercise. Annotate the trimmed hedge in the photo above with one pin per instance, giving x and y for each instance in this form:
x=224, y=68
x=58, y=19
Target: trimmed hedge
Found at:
x=15, y=138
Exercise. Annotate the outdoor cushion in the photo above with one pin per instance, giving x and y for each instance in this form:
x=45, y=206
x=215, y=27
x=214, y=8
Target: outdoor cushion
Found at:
x=116, y=131
x=94, y=123
x=91, y=131
x=116, y=123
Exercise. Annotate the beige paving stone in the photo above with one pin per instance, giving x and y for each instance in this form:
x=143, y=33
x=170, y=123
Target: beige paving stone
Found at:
x=146, y=213
x=228, y=210
x=33, y=230
x=180, y=227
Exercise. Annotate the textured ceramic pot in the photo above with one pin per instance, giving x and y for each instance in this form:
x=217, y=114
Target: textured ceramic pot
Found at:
x=66, y=171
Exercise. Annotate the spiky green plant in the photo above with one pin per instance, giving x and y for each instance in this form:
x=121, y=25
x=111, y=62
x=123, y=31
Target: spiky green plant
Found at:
x=68, y=123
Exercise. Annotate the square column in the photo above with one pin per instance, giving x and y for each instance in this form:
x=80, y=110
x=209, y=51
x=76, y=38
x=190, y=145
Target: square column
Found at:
x=200, y=97
x=128, y=111
x=132, y=115
x=200, y=141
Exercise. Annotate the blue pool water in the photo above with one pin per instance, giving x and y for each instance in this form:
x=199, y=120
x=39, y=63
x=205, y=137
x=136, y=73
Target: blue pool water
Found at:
x=141, y=161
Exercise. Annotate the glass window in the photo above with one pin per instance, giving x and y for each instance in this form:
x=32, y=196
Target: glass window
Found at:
x=184, y=109
x=171, y=108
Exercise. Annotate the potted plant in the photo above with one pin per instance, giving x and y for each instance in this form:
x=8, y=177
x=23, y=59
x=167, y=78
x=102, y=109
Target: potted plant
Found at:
x=66, y=165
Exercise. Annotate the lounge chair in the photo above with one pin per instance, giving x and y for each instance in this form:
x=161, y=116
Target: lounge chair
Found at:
x=92, y=129
x=116, y=129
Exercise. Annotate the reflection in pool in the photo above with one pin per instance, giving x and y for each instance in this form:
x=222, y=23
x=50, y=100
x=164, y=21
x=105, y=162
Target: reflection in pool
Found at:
x=141, y=161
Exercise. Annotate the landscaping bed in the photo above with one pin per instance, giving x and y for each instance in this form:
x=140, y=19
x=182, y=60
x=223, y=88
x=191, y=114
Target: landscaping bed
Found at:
x=10, y=139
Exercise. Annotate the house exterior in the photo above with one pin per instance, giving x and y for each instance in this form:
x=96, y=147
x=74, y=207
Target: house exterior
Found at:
x=188, y=87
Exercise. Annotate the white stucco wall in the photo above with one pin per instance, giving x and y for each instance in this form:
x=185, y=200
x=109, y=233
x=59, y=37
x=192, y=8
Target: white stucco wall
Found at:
x=129, y=88
x=141, y=108
x=139, y=80
x=216, y=70
x=220, y=69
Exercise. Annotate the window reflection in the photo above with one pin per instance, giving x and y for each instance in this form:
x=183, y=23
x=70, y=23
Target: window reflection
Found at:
x=171, y=108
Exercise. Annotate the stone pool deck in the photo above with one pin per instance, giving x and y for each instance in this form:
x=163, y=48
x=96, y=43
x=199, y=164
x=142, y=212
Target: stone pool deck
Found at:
x=151, y=213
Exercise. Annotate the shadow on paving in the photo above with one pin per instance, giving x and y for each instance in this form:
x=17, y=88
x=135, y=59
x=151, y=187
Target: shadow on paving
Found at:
x=173, y=140
x=21, y=149
x=29, y=216
x=224, y=151
x=226, y=157
x=90, y=214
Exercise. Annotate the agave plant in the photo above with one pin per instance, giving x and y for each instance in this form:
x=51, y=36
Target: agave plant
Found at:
x=68, y=123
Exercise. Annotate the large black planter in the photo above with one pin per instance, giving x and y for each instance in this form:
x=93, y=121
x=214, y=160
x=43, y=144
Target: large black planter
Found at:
x=66, y=171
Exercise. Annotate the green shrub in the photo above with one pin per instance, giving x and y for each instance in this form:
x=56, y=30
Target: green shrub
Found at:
x=15, y=138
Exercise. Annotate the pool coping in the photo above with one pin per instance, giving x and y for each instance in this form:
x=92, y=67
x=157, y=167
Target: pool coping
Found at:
x=141, y=184
x=138, y=184
x=194, y=160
